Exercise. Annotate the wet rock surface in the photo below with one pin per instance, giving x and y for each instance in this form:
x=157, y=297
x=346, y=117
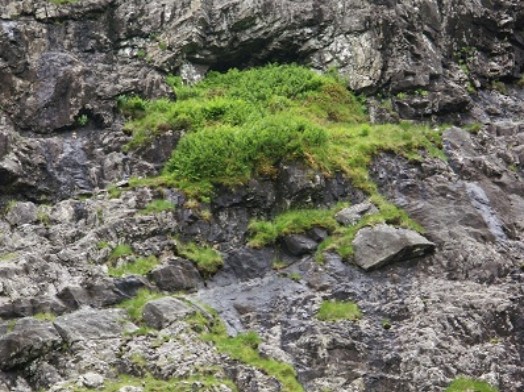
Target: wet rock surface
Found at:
x=457, y=310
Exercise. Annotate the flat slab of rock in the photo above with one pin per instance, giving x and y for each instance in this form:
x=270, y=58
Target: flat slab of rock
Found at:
x=298, y=245
x=382, y=244
x=27, y=343
x=92, y=324
x=161, y=312
x=177, y=274
x=351, y=215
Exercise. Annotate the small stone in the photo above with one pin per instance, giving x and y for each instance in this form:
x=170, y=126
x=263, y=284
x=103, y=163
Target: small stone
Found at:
x=351, y=215
x=92, y=380
x=299, y=245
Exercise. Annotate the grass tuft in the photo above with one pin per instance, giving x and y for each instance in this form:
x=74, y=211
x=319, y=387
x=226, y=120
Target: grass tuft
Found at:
x=158, y=206
x=339, y=310
x=206, y=259
x=141, y=266
x=465, y=384
x=135, y=305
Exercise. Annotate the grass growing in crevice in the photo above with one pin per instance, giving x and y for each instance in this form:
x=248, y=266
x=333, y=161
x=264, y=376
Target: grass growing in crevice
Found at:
x=206, y=259
x=339, y=310
x=465, y=384
x=135, y=305
x=148, y=383
x=244, y=348
x=291, y=222
x=141, y=266
x=121, y=250
x=157, y=206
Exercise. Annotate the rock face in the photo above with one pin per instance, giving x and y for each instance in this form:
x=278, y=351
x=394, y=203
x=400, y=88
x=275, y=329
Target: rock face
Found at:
x=380, y=245
x=456, y=311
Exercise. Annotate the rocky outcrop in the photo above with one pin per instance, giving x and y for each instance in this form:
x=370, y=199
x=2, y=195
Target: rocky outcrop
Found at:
x=425, y=321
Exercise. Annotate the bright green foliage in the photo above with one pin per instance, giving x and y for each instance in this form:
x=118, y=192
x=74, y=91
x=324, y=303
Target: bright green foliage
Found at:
x=121, y=250
x=135, y=305
x=195, y=383
x=45, y=316
x=465, y=384
x=245, y=123
x=339, y=310
x=244, y=348
x=141, y=266
x=63, y=2
x=291, y=222
x=206, y=259
x=157, y=206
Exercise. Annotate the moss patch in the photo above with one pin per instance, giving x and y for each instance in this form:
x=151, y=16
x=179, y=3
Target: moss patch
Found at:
x=339, y=310
x=206, y=259
x=141, y=266
x=465, y=384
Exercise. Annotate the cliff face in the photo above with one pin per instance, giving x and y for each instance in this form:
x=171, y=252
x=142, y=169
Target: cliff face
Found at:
x=425, y=321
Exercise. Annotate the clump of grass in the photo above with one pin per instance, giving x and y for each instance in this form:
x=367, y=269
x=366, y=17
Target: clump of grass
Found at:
x=8, y=256
x=295, y=276
x=157, y=206
x=102, y=245
x=121, y=250
x=135, y=305
x=291, y=222
x=465, y=384
x=114, y=192
x=339, y=310
x=141, y=266
x=206, y=259
x=45, y=316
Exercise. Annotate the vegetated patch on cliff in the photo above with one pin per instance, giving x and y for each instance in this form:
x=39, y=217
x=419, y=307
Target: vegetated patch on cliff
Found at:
x=242, y=124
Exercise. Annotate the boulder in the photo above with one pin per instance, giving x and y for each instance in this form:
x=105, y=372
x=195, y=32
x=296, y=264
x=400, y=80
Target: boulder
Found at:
x=161, y=312
x=351, y=215
x=27, y=343
x=298, y=245
x=91, y=324
x=177, y=274
x=382, y=244
x=22, y=213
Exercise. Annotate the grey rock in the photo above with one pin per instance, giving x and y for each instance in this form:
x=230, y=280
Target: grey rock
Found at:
x=27, y=343
x=377, y=246
x=298, y=245
x=351, y=215
x=91, y=380
x=175, y=275
x=22, y=213
x=164, y=311
x=90, y=324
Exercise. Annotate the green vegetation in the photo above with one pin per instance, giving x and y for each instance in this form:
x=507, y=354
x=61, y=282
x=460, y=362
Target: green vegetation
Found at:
x=499, y=86
x=102, y=245
x=8, y=256
x=157, y=206
x=206, y=259
x=43, y=216
x=45, y=316
x=291, y=222
x=195, y=383
x=244, y=123
x=135, y=305
x=140, y=266
x=465, y=384
x=82, y=120
x=244, y=348
x=339, y=310
x=114, y=192
x=295, y=276
x=121, y=250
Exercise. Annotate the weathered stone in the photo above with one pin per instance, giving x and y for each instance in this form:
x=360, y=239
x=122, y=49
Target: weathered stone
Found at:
x=162, y=312
x=27, y=343
x=22, y=213
x=175, y=275
x=382, y=244
x=351, y=215
x=298, y=245
x=91, y=324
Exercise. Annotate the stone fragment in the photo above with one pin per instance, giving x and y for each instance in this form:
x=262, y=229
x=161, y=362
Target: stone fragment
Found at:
x=351, y=215
x=382, y=244
x=298, y=245
x=177, y=274
x=27, y=343
x=92, y=324
x=22, y=213
x=161, y=312
x=92, y=380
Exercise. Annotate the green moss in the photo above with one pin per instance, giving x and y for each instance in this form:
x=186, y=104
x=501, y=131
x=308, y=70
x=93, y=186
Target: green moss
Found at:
x=206, y=259
x=8, y=256
x=45, y=316
x=339, y=310
x=141, y=266
x=121, y=250
x=114, y=192
x=291, y=222
x=135, y=305
x=157, y=206
x=195, y=383
x=63, y=2
x=465, y=384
